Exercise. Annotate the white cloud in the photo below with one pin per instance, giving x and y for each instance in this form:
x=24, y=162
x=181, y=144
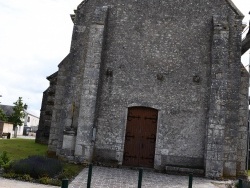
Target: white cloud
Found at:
x=35, y=36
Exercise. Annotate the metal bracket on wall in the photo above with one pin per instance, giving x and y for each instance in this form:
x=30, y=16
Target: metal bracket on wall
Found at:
x=93, y=134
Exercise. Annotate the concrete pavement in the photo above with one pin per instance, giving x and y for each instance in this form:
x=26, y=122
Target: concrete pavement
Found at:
x=104, y=177
x=7, y=183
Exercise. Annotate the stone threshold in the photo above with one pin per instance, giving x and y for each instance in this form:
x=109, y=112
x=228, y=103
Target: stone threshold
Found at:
x=184, y=170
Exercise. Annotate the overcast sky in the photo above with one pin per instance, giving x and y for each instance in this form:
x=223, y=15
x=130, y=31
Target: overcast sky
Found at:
x=35, y=36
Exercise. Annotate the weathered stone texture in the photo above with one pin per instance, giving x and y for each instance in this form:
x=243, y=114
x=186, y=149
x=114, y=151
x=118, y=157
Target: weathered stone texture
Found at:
x=181, y=58
x=243, y=123
x=90, y=84
x=43, y=132
x=218, y=98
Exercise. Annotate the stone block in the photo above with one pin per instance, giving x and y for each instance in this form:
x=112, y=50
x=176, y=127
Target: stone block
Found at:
x=182, y=161
x=182, y=170
x=69, y=141
x=229, y=169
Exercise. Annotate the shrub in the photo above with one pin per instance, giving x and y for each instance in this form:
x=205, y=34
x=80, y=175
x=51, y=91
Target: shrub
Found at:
x=26, y=177
x=47, y=180
x=4, y=159
x=65, y=175
x=44, y=180
x=37, y=167
x=10, y=175
x=6, y=167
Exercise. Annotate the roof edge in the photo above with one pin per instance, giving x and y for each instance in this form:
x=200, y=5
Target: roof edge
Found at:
x=82, y=4
x=235, y=9
x=65, y=59
x=28, y=113
x=52, y=75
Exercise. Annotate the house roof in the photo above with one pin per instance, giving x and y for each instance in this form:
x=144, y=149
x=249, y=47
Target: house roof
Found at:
x=31, y=115
x=7, y=109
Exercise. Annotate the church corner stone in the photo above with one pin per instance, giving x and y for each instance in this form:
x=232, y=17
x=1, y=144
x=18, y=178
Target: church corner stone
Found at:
x=165, y=76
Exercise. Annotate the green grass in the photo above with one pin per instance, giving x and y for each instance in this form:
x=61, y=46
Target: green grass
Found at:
x=71, y=170
x=21, y=148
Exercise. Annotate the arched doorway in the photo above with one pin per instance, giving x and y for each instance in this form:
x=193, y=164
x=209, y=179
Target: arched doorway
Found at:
x=140, y=137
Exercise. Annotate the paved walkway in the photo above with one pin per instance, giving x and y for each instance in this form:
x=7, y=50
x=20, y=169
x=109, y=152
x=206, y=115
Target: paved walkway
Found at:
x=7, y=183
x=103, y=177
x=27, y=137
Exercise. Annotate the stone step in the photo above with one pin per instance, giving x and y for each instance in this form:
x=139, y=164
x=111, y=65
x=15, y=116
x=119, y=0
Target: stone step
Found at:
x=184, y=170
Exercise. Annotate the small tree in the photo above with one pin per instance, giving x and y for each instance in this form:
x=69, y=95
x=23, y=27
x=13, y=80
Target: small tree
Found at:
x=19, y=113
x=3, y=117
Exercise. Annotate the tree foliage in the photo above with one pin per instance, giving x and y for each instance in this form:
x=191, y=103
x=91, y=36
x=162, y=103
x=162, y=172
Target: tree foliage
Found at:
x=3, y=117
x=18, y=112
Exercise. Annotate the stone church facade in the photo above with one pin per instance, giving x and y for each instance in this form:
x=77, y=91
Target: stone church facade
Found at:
x=154, y=83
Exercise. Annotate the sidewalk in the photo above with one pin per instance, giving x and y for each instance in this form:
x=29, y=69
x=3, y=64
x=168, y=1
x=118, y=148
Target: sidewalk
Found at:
x=103, y=177
x=27, y=137
x=7, y=183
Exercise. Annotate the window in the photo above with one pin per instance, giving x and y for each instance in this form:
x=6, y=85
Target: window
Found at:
x=28, y=119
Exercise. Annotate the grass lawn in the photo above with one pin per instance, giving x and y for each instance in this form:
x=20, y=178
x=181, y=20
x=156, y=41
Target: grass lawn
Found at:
x=21, y=148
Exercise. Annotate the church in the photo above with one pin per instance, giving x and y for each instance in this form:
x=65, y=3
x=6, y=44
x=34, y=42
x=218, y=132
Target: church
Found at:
x=152, y=83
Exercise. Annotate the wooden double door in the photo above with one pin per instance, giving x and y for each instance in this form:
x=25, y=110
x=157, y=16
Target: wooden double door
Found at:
x=140, y=137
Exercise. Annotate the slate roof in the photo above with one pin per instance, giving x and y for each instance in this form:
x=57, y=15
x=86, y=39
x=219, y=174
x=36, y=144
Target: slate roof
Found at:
x=7, y=109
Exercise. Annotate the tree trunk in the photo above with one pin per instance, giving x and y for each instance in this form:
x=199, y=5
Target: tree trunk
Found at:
x=15, y=132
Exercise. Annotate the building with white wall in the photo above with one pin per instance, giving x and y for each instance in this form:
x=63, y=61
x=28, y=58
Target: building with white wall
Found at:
x=29, y=120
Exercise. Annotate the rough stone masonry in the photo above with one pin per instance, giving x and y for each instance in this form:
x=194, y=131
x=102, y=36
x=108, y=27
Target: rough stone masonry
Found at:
x=153, y=83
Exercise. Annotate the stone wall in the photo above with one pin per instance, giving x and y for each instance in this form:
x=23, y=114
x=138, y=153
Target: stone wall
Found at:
x=43, y=132
x=242, y=135
x=89, y=96
x=61, y=114
x=224, y=114
x=179, y=57
x=6, y=127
